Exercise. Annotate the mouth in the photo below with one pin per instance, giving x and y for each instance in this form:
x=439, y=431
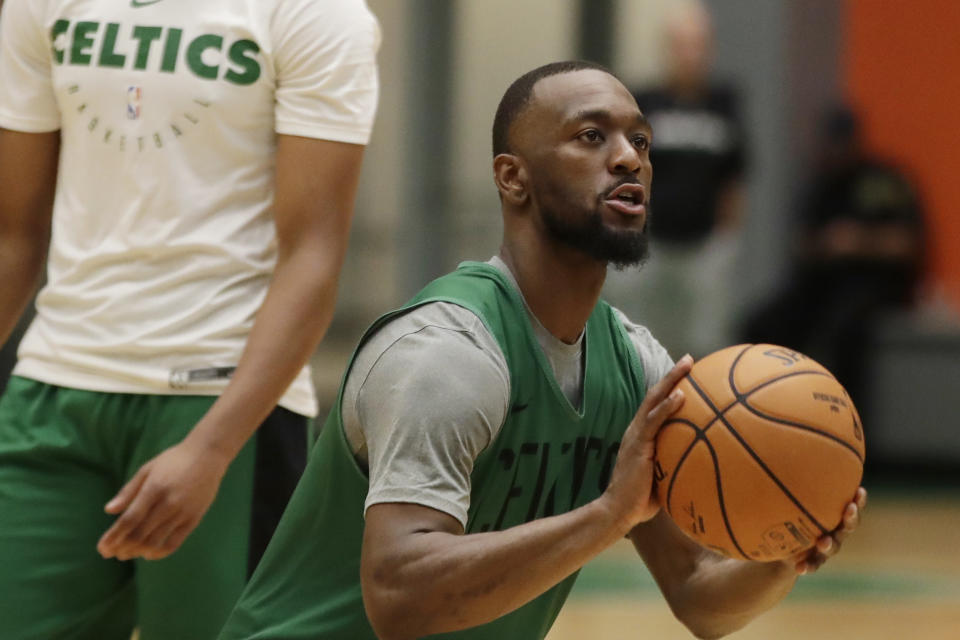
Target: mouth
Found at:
x=628, y=199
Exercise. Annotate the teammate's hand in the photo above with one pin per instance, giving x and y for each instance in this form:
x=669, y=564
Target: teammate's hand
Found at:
x=630, y=491
x=162, y=503
x=828, y=546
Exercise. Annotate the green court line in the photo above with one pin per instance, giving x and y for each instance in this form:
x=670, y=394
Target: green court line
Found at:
x=605, y=577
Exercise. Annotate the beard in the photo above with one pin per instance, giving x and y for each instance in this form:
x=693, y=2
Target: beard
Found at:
x=586, y=232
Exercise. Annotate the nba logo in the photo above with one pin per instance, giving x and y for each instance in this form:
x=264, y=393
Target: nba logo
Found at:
x=133, y=102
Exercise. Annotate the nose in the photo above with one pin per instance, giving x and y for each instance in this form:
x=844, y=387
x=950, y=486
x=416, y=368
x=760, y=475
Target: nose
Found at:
x=624, y=156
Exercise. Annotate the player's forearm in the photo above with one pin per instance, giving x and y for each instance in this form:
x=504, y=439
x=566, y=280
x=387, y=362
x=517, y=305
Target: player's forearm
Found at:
x=727, y=594
x=724, y=594
x=441, y=582
x=21, y=263
x=291, y=322
x=710, y=594
x=28, y=175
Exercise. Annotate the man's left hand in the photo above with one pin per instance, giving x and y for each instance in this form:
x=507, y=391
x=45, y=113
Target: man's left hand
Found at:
x=826, y=547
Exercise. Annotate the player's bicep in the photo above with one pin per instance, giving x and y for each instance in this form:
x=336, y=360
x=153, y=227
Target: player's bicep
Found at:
x=397, y=536
x=316, y=184
x=387, y=522
x=672, y=557
x=391, y=534
x=28, y=176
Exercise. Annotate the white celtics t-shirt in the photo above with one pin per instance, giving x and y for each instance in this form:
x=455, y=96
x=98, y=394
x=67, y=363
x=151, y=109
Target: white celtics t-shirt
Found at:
x=163, y=237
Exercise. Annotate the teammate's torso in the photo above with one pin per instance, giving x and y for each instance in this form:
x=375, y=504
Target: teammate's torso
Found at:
x=166, y=115
x=163, y=236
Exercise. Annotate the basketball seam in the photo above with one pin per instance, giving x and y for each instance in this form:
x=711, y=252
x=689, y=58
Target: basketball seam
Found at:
x=683, y=457
x=742, y=399
x=716, y=471
x=753, y=454
x=716, y=465
x=748, y=448
x=772, y=475
x=804, y=427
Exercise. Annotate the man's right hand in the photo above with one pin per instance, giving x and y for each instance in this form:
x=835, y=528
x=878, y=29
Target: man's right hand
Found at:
x=630, y=494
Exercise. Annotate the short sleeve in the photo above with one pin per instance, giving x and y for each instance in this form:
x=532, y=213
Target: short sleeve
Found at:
x=27, y=100
x=654, y=357
x=326, y=72
x=433, y=401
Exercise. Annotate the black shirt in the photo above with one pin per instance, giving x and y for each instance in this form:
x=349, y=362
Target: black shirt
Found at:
x=870, y=194
x=698, y=148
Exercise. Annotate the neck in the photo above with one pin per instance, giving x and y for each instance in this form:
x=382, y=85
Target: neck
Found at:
x=560, y=285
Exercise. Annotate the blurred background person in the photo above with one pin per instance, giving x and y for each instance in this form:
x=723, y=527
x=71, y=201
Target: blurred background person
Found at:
x=859, y=252
x=698, y=156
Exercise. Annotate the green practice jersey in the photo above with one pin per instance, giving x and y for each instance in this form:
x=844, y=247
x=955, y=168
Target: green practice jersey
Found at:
x=548, y=458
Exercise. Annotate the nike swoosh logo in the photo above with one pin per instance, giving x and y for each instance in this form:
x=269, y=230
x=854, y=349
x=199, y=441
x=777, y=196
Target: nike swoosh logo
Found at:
x=136, y=4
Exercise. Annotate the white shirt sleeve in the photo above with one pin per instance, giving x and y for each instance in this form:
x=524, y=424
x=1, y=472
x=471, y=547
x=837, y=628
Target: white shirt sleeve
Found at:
x=422, y=401
x=27, y=101
x=325, y=58
x=656, y=361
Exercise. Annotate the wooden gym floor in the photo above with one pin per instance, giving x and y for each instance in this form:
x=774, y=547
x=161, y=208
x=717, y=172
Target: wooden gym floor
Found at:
x=897, y=578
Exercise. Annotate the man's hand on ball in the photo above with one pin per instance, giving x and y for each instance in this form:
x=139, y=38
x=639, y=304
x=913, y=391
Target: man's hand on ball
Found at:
x=828, y=546
x=630, y=491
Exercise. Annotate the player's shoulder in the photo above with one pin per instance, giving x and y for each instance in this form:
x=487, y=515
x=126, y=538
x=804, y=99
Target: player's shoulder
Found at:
x=29, y=12
x=437, y=350
x=438, y=314
x=653, y=356
x=435, y=331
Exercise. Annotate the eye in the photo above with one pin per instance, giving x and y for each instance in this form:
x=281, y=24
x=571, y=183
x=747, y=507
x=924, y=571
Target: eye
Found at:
x=591, y=135
x=641, y=142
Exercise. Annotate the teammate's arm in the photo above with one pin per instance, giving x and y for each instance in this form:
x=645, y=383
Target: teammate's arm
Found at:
x=316, y=183
x=326, y=95
x=714, y=595
x=28, y=175
x=421, y=575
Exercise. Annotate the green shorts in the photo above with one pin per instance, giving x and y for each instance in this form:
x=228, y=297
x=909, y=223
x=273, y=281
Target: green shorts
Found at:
x=63, y=454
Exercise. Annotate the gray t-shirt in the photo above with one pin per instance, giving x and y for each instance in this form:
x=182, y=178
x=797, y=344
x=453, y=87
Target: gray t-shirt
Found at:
x=431, y=389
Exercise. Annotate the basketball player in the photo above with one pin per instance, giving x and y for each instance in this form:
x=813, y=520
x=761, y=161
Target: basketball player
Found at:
x=196, y=165
x=487, y=441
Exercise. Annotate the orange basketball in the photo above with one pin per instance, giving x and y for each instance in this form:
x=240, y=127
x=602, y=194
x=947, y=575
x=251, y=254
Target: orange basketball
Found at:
x=764, y=455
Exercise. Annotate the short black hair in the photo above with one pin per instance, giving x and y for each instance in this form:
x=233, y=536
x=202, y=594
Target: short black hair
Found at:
x=518, y=95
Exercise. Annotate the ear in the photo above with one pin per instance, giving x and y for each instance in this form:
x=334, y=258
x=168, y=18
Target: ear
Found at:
x=510, y=176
